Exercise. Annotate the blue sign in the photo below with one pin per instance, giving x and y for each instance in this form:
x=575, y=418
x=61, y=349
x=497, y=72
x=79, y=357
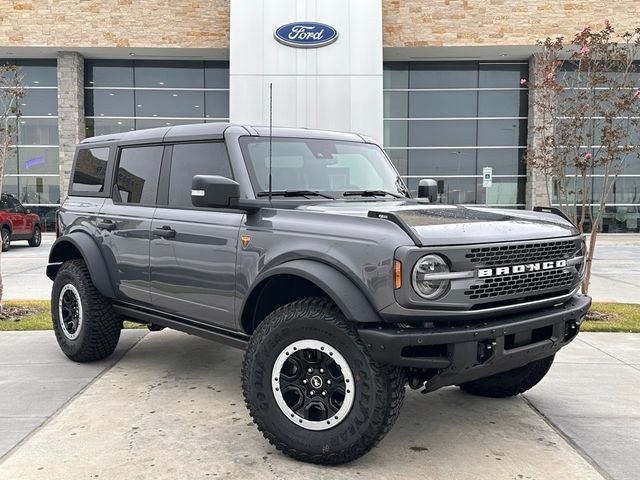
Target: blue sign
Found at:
x=306, y=34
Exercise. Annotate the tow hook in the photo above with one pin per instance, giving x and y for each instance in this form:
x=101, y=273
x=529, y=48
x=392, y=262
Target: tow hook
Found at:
x=486, y=349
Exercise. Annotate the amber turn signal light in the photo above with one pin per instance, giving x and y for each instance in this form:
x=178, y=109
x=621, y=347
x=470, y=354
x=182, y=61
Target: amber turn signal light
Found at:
x=397, y=272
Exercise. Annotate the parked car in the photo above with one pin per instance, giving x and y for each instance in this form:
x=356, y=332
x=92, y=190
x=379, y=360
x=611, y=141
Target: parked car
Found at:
x=18, y=223
x=306, y=249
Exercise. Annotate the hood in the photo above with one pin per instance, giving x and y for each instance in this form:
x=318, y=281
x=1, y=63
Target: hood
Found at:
x=431, y=225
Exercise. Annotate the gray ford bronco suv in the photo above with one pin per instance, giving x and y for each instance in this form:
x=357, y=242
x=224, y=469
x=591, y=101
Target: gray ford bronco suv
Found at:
x=306, y=249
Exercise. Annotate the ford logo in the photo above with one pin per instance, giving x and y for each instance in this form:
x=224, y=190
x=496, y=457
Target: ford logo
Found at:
x=306, y=34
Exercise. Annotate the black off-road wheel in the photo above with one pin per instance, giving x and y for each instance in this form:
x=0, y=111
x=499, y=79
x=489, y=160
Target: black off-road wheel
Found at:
x=512, y=382
x=36, y=239
x=312, y=389
x=84, y=322
x=6, y=239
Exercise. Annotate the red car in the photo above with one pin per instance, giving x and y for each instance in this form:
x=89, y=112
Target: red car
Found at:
x=18, y=223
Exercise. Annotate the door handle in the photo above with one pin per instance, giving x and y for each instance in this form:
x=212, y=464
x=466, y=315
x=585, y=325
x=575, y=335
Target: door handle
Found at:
x=106, y=225
x=165, y=232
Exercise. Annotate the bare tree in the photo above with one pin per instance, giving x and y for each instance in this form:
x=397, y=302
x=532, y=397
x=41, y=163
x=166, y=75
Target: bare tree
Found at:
x=11, y=91
x=585, y=94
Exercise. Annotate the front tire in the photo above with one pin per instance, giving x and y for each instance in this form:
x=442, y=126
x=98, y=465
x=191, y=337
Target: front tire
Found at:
x=84, y=322
x=6, y=239
x=512, y=382
x=312, y=389
x=36, y=239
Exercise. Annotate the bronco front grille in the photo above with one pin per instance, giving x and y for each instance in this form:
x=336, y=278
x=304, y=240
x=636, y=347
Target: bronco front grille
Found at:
x=524, y=284
x=523, y=253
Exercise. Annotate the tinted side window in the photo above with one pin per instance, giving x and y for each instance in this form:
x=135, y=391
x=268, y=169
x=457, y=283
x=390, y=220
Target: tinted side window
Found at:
x=191, y=159
x=138, y=173
x=91, y=167
x=4, y=203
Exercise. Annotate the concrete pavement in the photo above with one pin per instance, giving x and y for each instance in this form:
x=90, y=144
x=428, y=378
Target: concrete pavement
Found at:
x=36, y=379
x=24, y=270
x=616, y=271
x=172, y=408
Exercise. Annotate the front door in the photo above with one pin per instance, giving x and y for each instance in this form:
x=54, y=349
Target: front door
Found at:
x=125, y=220
x=193, y=250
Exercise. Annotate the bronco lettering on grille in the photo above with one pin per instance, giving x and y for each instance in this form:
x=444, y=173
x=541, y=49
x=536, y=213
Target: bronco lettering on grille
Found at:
x=529, y=267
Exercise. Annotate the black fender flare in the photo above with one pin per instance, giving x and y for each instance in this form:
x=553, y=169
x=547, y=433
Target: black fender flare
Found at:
x=90, y=252
x=349, y=298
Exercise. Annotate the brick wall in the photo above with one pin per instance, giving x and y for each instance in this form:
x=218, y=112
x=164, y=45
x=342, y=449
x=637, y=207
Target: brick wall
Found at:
x=115, y=23
x=436, y=23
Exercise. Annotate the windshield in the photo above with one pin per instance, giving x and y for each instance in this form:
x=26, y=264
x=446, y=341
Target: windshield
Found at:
x=318, y=165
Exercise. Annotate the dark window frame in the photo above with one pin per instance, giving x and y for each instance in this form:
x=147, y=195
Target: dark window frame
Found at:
x=108, y=176
x=162, y=200
x=114, y=193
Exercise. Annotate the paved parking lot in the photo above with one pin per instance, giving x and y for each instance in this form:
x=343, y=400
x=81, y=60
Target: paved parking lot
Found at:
x=172, y=408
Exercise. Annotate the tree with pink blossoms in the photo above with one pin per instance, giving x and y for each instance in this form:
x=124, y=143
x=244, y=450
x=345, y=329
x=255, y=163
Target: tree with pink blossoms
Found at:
x=586, y=122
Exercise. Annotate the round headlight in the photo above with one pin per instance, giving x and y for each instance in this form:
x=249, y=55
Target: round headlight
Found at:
x=424, y=277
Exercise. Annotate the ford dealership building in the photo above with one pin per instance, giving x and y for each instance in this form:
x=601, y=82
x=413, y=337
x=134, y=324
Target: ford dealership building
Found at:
x=437, y=82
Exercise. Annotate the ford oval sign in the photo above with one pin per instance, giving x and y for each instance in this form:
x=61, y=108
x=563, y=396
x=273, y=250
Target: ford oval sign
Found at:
x=306, y=34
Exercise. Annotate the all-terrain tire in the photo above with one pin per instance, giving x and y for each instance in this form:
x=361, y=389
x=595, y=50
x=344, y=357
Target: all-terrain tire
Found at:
x=511, y=382
x=98, y=331
x=377, y=396
x=36, y=239
x=6, y=239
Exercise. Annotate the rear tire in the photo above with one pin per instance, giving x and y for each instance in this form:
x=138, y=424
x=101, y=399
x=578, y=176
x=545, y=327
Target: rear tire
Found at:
x=347, y=403
x=6, y=239
x=36, y=240
x=512, y=382
x=84, y=322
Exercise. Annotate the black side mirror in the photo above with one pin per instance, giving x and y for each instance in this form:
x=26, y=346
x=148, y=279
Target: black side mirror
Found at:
x=428, y=188
x=214, y=191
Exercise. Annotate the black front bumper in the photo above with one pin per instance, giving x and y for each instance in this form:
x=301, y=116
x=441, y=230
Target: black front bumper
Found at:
x=463, y=353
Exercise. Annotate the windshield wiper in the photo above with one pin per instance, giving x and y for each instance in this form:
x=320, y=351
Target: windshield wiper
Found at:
x=370, y=193
x=294, y=193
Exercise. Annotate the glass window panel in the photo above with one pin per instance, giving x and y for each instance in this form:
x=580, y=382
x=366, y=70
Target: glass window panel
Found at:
x=153, y=123
x=195, y=159
x=108, y=73
x=396, y=75
x=502, y=132
x=90, y=170
x=502, y=75
x=110, y=103
x=395, y=133
x=40, y=102
x=98, y=126
x=11, y=162
x=443, y=75
x=450, y=161
x=216, y=74
x=169, y=74
x=47, y=217
x=443, y=104
x=433, y=133
x=503, y=191
x=504, y=161
x=396, y=104
x=216, y=104
x=138, y=173
x=10, y=185
x=39, y=73
x=169, y=103
x=38, y=160
x=38, y=131
x=450, y=190
x=502, y=103
x=399, y=159
x=625, y=190
x=37, y=190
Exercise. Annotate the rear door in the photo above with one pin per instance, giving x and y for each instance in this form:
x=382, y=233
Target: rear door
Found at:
x=193, y=250
x=125, y=219
x=18, y=218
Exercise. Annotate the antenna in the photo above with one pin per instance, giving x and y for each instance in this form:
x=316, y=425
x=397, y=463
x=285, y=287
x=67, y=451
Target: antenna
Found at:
x=270, y=135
